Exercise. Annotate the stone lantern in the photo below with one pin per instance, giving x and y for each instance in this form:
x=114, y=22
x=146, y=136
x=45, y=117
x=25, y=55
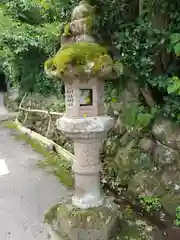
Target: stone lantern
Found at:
x=84, y=65
x=85, y=122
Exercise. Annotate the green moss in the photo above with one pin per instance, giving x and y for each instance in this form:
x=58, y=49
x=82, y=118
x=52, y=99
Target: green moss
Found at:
x=10, y=125
x=89, y=24
x=132, y=226
x=67, y=30
x=79, y=217
x=51, y=214
x=56, y=164
x=102, y=61
x=48, y=64
x=78, y=55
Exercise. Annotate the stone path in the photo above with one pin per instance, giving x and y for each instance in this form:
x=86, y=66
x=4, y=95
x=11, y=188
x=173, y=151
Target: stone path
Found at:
x=26, y=191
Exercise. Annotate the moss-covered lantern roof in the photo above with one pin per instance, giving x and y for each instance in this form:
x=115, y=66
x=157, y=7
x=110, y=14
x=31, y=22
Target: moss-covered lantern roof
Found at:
x=83, y=58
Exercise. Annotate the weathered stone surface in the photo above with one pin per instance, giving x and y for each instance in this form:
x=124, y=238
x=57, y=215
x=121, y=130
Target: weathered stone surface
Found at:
x=164, y=184
x=82, y=10
x=136, y=228
x=125, y=139
x=170, y=201
x=147, y=145
x=79, y=26
x=165, y=155
x=145, y=182
x=139, y=229
x=84, y=125
x=173, y=234
x=170, y=177
x=70, y=223
x=166, y=132
x=84, y=38
x=124, y=165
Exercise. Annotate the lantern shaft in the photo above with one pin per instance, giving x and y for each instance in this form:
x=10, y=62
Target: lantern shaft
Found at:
x=86, y=168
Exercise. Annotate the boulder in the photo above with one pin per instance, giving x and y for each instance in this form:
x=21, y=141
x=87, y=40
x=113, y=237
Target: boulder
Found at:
x=136, y=228
x=163, y=184
x=166, y=132
x=145, y=182
x=165, y=155
x=147, y=145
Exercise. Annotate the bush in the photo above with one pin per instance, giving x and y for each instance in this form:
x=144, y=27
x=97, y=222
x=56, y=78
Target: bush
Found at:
x=29, y=34
x=144, y=37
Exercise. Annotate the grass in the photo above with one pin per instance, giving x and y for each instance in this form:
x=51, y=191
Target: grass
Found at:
x=52, y=162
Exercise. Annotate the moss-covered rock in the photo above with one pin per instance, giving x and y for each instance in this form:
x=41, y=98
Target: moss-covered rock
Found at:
x=170, y=202
x=163, y=184
x=167, y=132
x=147, y=145
x=82, y=57
x=165, y=155
x=127, y=161
x=136, y=228
x=78, y=216
x=75, y=223
x=145, y=182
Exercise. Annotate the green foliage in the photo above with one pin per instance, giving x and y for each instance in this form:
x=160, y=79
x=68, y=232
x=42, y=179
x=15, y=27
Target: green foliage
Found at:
x=178, y=216
x=29, y=34
x=136, y=116
x=140, y=36
x=175, y=43
x=150, y=203
x=174, y=85
x=145, y=37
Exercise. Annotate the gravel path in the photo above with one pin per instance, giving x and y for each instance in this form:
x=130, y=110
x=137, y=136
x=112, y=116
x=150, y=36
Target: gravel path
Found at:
x=26, y=191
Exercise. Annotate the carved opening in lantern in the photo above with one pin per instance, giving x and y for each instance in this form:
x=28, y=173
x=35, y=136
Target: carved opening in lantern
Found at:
x=86, y=97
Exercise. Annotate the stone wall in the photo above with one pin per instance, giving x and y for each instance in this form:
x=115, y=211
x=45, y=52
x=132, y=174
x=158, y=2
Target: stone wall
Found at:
x=144, y=162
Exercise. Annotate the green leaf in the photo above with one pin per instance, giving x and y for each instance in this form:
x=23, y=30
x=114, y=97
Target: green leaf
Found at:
x=173, y=87
x=174, y=38
x=177, y=49
x=114, y=100
x=130, y=114
x=143, y=119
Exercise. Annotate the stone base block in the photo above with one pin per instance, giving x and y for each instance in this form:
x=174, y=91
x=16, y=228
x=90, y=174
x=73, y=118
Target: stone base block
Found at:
x=66, y=222
x=3, y=114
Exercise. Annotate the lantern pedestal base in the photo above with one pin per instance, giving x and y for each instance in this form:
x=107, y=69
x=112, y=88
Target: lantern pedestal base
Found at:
x=85, y=203
x=67, y=222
